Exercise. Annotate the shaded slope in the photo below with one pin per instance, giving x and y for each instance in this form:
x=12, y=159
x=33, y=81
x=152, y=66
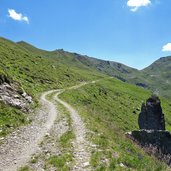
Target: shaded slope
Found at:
x=108, y=67
x=158, y=76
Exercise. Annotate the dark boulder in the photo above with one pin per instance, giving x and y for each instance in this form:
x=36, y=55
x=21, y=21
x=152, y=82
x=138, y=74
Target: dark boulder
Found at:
x=152, y=136
x=151, y=116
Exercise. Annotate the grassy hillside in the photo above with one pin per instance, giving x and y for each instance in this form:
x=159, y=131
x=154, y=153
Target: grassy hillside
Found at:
x=110, y=108
x=10, y=117
x=37, y=70
x=155, y=77
x=159, y=76
x=110, y=68
x=36, y=73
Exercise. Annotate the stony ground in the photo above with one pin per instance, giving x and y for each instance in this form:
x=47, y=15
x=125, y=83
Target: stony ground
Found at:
x=81, y=145
x=18, y=147
x=34, y=144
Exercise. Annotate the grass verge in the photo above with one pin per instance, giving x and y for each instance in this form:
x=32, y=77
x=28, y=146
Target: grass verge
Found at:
x=110, y=108
x=65, y=160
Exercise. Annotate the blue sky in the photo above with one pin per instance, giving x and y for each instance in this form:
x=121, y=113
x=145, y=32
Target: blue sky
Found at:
x=133, y=32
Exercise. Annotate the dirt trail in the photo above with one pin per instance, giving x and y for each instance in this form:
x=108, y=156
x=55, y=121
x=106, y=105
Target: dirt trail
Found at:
x=81, y=145
x=21, y=144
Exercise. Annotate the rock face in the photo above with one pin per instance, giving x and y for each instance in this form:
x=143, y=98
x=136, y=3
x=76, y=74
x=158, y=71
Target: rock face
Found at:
x=152, y=136
x=9, y=94
x=151, y=116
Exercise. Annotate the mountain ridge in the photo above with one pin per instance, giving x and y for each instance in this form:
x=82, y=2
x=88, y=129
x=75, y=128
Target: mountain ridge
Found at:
x=145, y=78
x=155, y=77
x=31, y=47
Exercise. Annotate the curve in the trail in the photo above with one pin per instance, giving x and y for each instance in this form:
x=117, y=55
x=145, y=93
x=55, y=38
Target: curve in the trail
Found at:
x=20, y=145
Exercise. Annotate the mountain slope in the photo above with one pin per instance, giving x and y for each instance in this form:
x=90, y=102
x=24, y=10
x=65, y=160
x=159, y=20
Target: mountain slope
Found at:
x=37, y=70
x=158, y=75
x=109, y=107
x=155, y=77
x=114, y=69
x=108, y=67
x=33, y=74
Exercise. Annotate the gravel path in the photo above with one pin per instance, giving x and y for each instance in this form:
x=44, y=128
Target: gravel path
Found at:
x=21, y=144
x=82, y=152
x=18, y=147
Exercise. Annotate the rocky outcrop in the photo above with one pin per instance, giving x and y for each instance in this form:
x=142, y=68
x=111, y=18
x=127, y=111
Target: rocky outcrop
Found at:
x=152, y=136
x=15, y=97
x=151, y=116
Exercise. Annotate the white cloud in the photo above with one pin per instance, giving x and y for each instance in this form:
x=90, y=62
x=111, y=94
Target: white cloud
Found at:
x=17, y=16
x=135, y=4
x=166, y=47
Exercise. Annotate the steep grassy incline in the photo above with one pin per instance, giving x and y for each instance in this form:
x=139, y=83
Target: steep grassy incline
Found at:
x=110, y=108
x=36, y=73
x=10, y=117
x=114, y=69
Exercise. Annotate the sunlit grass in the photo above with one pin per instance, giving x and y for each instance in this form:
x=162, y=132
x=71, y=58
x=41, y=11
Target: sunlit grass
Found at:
x=110, y=108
